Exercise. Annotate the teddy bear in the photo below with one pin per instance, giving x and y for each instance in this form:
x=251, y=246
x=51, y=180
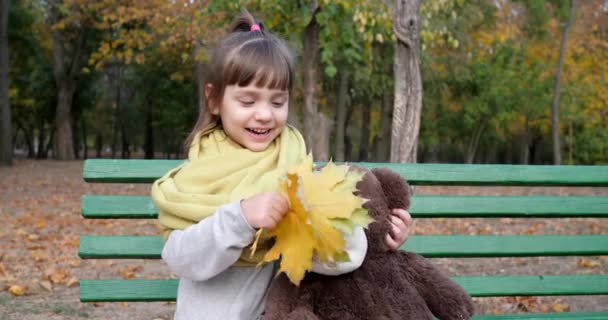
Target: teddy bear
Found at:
x=388, y=285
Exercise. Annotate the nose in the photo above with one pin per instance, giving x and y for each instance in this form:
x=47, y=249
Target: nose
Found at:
x=263, y=113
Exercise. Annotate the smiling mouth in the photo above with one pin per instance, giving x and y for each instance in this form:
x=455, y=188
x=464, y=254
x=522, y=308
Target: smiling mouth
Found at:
x=259, y=131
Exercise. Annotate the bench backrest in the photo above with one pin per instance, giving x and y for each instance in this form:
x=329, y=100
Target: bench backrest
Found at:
x=423, y=206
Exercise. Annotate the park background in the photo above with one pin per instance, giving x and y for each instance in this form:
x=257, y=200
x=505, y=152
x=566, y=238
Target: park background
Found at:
x=519, y=82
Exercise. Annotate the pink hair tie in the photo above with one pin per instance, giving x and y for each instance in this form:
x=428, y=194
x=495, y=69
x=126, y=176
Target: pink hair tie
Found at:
x=255, y=27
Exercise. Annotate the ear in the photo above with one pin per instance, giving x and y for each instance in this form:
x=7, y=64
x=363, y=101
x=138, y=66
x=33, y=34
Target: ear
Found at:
x=212, y=106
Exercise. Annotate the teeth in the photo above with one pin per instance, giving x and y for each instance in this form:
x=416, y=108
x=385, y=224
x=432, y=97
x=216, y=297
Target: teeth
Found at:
x=260, y=130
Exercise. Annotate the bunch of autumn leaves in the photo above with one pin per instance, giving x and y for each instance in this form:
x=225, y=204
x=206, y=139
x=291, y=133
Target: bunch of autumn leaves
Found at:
x=322, y=209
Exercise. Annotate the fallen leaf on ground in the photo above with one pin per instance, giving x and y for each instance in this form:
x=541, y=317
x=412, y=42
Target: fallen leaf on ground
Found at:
x=16, y=290
x=71, y=282
x=558, y=307
x=47, y=285
x=588, y=263
x=75, y=263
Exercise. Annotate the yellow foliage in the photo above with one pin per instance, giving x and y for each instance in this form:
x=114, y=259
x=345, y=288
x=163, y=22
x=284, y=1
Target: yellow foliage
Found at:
x=321, y=204
x=177, y=76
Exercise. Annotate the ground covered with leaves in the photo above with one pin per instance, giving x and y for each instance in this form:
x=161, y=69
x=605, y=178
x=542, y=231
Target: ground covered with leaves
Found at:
x=41, y=223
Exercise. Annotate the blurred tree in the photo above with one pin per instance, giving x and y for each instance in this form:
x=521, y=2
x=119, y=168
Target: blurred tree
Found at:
x=555, y=127
x=74, y=38
x=6, y=137
x=408, y=81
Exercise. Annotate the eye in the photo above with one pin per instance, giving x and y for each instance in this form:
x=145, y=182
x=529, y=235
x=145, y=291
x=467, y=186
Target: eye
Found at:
x=278, y=103
x=247, y=102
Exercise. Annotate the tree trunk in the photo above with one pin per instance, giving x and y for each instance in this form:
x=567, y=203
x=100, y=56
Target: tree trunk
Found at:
x=66, y=80
x=117, y=120
x=149, y=135
x=64, y=148
x=126, y=153
x=29, y=140
x=40, y=152
x=348, y=140
x=383, y=147
x=85, y=146
x=536, y=152
x=525, y=145
x=98, y=145
x=474, y=142
x=408, y=81
x=364, y=142
x=341, y=114
x=6, y=132
x=317, y=126
x=200, y=77
x=555, y=128
x=49, y=144
x=570, y=142
x=76, y=137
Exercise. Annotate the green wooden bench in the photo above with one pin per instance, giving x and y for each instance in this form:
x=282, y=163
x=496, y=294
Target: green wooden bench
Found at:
x=435, y=206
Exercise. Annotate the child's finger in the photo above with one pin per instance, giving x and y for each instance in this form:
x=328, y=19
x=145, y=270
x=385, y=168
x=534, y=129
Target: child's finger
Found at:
x=271, y=222
x=404, y=215
x=400, y=224
x=391, y=243
x=280, y=205
x=395, y=229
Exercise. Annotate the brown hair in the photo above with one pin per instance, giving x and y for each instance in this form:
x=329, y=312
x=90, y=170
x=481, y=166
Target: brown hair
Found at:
x=241, y=57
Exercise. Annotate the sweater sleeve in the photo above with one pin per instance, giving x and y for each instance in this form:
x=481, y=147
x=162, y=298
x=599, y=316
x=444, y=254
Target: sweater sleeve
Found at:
x=356, y=247
x=209, y=247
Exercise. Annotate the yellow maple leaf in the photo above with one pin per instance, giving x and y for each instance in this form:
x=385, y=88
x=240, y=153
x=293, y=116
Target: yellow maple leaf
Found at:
x=322, y=207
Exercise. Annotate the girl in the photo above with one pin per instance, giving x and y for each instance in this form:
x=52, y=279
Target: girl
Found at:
x=211, y=206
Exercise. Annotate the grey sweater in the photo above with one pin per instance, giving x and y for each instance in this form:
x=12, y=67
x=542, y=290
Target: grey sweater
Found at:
x=210, y=287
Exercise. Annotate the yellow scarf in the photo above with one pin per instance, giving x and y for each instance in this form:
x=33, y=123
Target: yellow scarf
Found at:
x=220, y=171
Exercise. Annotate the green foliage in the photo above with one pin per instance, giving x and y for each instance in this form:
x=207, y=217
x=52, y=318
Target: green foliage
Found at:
x=487, y=70
x=32, y=85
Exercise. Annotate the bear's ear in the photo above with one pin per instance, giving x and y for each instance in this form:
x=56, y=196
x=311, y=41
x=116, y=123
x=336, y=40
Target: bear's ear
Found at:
x=371, y=189
x=396, y=190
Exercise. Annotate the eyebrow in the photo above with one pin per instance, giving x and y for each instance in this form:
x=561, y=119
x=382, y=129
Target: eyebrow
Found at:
x=255, y=93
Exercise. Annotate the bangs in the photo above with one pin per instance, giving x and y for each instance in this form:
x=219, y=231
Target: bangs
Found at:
x=264, y=63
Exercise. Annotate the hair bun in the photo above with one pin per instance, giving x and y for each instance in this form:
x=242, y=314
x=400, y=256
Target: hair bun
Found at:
x=244, y=21
x=242, y=27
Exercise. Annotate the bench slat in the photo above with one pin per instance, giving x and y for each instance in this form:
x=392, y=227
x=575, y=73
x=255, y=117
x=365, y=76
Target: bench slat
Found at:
x=562, y=285
x=128, y=290
x=149, y=247
x=476, y=286
x=546, y=316
x=113, y=207
x=139, y=171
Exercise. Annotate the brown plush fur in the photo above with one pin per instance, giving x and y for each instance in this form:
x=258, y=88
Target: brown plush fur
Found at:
x=388, y=285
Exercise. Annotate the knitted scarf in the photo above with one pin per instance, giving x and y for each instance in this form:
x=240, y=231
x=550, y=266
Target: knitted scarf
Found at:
x=220, y=171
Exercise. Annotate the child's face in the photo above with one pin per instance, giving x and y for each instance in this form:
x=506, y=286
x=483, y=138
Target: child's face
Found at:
x=252, y=116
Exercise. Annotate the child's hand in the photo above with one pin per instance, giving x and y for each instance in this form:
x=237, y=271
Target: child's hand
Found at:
x=401, y=222
x=264, y=210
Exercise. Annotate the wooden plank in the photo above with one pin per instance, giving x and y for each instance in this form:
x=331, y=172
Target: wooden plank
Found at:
x=96, y=206
x=562, y=285
x=150, y=247
x=120, y=247
x=118, y=207
x=546, y=316
x=509, y=206
x=507, y=246
x=476, y=286
x=103, y=170
x=137, y=171
x=128, y=290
